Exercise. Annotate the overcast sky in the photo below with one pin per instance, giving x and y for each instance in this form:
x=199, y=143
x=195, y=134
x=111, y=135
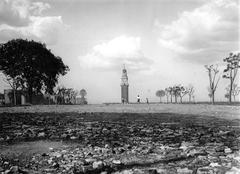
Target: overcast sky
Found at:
x=161, y=42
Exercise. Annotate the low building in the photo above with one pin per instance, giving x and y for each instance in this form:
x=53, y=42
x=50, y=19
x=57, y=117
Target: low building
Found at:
x=81, y=100
x=22, y=98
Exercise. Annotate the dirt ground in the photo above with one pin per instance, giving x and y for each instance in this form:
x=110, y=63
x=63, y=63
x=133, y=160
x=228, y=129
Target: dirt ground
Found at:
x=120, y=139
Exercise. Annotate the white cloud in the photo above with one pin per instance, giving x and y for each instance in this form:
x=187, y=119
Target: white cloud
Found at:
x=24, y=19
x=205, y=33
x=116, y=52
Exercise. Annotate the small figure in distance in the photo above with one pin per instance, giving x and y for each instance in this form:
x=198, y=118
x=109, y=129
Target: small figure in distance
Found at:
x=138, y=99
x=122, y=100
x=147, y=100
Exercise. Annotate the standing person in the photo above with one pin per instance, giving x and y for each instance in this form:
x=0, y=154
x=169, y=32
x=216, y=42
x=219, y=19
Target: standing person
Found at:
x=147, y=100
x=138, y=99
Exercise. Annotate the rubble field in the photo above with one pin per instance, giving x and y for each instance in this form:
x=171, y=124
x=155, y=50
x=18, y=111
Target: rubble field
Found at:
x=121, y=143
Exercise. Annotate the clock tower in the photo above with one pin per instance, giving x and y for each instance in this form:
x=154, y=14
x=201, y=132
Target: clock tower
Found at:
x=124, y=86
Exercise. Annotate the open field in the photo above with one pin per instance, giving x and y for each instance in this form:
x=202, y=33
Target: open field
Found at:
x=120, y=139
x=220, y=111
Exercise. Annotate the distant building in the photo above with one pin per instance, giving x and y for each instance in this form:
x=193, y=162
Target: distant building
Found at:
x=124, y=86
x=9, y=97
x=22, y=98
x=80, y=100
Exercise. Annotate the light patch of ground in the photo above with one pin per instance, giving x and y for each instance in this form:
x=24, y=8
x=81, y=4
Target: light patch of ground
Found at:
x=220, y=111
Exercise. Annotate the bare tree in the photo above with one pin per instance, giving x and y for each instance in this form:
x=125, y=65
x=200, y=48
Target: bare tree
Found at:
x=15, y=84
x=66, y=95
x=160, y=94
x=183, y=91
x=190, y=90
x=213, y=83
x=231, y=70
x=235, y=91
x=209, y=94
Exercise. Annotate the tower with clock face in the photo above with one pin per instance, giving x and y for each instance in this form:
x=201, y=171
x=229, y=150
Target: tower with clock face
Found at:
x=124, y=86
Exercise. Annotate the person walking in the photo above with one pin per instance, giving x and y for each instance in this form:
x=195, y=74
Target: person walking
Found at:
x=138, y=99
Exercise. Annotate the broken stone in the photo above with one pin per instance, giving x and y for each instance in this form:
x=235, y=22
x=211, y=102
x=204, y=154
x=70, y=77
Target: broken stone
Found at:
x=41, y=135
x=227, y=150
x=117, y=162
x=97, y=164
x=234, y=170
x=184, y=171
x=205, y=170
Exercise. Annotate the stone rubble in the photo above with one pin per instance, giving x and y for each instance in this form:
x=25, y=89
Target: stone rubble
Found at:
x=125, y=144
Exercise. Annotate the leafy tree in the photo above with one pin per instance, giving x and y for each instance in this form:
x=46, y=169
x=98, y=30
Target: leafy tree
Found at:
x=212, y=74
x=160, y=94
x=35, y=66
x=235, y=91
x=83, y=93
x=167, y=93
x=176, y=90
x=230, y=72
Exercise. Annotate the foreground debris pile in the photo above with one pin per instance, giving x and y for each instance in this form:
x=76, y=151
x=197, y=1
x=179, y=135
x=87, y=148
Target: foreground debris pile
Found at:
x=124, y=143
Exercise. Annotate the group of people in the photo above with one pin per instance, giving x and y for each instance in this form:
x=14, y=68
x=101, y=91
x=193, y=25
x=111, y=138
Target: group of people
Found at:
x=139, y=99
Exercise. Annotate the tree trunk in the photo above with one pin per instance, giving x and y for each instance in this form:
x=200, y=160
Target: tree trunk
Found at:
x=171, y=98
x=230, y=91
x=189, y=99
x=14, y=97
x=175, y=98
x=30, y=93
x=181, y=99
x=213, y=98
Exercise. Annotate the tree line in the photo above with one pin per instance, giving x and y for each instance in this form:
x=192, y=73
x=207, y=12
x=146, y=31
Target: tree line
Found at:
x=30, y=68
x=63, y=95
x=230, y=72
x=175, y=94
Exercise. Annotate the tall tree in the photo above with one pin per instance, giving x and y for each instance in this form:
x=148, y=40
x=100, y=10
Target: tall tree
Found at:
x=33, y=63
x=160, y=94
x=230, y=72
x=213, y=82
x=182, y=92
x=170, y=91
x=176, y=90
x=167, y=93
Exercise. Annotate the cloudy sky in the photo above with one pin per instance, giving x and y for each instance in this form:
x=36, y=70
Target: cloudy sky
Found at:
x=161, y=42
